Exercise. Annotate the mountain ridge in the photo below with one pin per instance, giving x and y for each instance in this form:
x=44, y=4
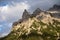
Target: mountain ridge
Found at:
x=55, y=8
x=41, y=25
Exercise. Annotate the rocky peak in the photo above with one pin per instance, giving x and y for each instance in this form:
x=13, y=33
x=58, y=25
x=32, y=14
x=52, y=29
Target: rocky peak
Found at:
x=25, y=14
x=55, y=8
x=36, y=12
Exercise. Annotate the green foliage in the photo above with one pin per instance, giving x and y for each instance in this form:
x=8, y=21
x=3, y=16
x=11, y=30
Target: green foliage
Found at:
x=48, y=33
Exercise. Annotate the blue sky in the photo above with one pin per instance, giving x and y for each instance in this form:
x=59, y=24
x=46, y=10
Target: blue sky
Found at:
x=12, y=10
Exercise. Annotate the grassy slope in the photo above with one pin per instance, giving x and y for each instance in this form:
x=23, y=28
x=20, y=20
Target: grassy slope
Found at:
x=52, y=32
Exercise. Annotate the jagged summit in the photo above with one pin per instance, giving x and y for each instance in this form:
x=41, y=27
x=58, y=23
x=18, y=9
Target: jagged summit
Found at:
x=55, y=8
x=25, y=14
x=36, y=12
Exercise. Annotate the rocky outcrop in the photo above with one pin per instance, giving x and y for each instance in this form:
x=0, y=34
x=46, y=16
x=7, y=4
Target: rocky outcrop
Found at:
x=36, y=12
x=39, y=13
x=25, y=15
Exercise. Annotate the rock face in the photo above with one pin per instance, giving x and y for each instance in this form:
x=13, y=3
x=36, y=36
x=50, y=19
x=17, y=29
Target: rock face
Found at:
x=41, y=26
x=36, y=12
x=25, y=15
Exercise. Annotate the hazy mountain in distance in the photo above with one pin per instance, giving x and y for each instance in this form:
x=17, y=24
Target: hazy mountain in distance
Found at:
x=55, y=8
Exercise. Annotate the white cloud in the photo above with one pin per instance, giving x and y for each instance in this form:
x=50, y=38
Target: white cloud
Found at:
x=12, y=12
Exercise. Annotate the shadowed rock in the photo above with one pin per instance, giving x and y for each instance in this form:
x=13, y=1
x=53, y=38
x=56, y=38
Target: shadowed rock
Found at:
x=15, y=23
x=25, y=15
x=55, y=8
x=36, y=12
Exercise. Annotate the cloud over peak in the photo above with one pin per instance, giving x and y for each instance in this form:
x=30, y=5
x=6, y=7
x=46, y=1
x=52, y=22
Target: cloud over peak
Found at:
x=9, y=12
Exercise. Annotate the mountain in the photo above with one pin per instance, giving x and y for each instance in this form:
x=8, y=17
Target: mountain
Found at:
x=25, y=15
x=55, y=11
x=36, y=12
x=55, y=8
x=41, y=25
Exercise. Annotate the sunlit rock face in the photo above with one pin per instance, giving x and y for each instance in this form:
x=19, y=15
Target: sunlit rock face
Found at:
x=44, y=17
x=41, y=25
x=25, y=16
x=55, y=14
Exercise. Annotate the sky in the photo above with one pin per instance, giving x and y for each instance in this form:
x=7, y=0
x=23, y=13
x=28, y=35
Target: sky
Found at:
x=12, y=10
